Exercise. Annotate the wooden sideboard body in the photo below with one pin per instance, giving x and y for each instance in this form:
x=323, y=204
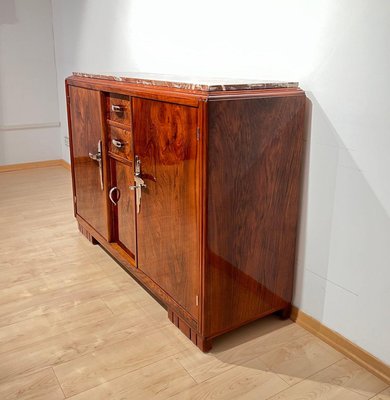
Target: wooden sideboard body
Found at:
x=215, y=236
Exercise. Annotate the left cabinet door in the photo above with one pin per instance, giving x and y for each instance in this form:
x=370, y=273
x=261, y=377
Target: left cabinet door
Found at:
x=89, y=157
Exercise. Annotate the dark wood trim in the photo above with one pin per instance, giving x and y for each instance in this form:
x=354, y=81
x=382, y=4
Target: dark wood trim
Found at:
x=118, y=158
x=119, y=125
x=203, y=120
x=106, y=163
x=251, y=94
x=71, y=146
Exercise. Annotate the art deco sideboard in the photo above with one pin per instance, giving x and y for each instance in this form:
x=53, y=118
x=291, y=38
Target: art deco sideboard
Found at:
x=193, y=187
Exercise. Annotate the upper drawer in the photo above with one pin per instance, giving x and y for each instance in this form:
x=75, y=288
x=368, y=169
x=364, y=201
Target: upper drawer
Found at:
x=118, y=108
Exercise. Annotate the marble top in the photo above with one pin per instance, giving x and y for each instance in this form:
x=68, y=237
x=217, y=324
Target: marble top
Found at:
x=189, y=83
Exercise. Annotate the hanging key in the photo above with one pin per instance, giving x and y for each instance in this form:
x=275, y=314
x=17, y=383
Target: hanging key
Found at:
x=139, y=185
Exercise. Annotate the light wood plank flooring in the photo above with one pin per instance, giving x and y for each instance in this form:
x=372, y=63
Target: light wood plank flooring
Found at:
x=74, y=325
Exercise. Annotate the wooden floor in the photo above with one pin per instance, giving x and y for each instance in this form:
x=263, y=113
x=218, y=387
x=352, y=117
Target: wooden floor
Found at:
x=74, y=325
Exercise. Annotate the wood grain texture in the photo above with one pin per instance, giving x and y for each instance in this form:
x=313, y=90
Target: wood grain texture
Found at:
x=204, y=344
x=254, y=160
x=349, y=375
x=124, y=153
x=245, y=381
x=385, y=395
x=343, y=345
x=160, y=380
x=170, y=95
x=309, y=390
x=165, y=141
x=120, y=358
x=312, y=354
x=127, y=263
x=124, y=212
x=86, y=131
x=123, y=102
x=57, y=294
x=87, y=234
x=42, y=385
x=216, y=231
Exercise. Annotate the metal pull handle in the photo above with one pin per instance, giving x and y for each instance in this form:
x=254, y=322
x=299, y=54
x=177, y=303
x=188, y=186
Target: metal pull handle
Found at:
x=117, y=143
x=110, y=193
x=95, y=157
x=98, y=157
x=117, y=109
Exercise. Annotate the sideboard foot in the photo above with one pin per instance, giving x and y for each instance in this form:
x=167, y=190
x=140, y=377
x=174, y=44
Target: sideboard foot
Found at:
x=85, y=233
x=285, y=313
x=204, y=344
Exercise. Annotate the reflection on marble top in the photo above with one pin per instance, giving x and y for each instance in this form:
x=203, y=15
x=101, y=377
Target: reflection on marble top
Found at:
x=189, y=83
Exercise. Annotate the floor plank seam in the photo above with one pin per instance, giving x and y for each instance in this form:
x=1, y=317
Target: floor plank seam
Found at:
x=248, y=360
x=58, y=382
x=119, y=376
x=377, y=394
x=185, y=369
x=121, y=316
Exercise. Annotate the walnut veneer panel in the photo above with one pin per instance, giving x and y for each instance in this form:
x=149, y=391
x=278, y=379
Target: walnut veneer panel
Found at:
x=165, y=141
x=124, y=143
x=124, y=210
x=253, y=164
x=214, y=238
x=86, y=131
x=118, y=108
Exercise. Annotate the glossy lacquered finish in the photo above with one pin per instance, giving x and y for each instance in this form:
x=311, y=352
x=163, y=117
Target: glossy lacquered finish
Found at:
x=118, y=108
x=253, y=164
x=86, y=124
x=123, y=211
x=165, y=142
x=215, y=234
x=120, y=143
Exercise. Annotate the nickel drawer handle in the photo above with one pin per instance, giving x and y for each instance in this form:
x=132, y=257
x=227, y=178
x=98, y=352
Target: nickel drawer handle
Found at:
x=117, y=109
x=117, y=143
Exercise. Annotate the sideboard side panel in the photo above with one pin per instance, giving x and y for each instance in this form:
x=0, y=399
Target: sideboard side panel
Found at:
x=253, y=185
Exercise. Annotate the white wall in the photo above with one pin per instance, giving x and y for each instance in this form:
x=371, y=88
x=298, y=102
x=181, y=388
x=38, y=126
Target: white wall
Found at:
x=339, y=51
x=29, y=118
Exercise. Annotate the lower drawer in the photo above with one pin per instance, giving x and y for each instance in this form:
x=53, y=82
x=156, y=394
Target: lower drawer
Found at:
x=120, y=143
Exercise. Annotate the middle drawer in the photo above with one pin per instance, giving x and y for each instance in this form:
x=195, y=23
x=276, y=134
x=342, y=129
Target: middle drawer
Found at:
x=120, y=143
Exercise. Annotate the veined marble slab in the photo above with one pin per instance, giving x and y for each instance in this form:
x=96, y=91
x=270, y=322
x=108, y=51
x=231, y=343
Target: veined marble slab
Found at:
x=189, y=83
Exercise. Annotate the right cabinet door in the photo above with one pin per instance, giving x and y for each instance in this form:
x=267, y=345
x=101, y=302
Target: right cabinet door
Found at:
x=167, y=232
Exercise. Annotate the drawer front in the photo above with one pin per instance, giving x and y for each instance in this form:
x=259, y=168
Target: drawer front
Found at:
x=118, y=108
x=120, y=143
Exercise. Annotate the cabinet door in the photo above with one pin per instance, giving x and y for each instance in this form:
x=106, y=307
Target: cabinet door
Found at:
x=167, y=232
x=88, y=174
x=123, y=206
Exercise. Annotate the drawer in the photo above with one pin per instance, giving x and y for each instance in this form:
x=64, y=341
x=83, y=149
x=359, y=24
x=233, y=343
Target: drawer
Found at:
x=120, y=143
x=118, y=108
